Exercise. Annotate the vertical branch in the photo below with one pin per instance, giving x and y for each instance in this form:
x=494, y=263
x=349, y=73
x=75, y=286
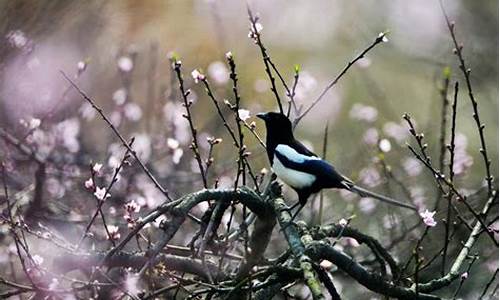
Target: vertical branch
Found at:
x=442, y=136
x=480, y=126
x=451, y=149
x=255, y=34
x=321, y=195
x=176, y=65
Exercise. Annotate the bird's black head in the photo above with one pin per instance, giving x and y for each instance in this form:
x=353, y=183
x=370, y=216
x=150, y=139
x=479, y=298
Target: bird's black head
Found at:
x=278, y=126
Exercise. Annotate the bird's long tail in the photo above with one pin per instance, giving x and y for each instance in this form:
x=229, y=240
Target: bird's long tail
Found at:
x=366, y=193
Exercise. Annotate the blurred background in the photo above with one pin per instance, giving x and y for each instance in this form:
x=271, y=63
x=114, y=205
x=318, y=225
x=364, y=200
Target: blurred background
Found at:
x=117, y=51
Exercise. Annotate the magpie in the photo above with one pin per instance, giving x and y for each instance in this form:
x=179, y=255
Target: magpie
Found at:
x=303, y=170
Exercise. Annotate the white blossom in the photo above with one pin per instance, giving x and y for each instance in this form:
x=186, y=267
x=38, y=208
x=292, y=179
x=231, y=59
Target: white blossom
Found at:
x=384, y=145
x=34, y=123
x=97, y=168
x=100, y=193
x=243, y=114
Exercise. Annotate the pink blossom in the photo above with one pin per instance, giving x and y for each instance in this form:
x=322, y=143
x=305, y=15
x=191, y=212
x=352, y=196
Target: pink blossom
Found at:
x=100, y=193
x=132, y=111
x=399, y=132
x=362, y=112
x=370, y=176
x=120, y=96
x=197, y=76
x=89, y=183
x=367, y=205
x=371, y=136
x=114, y=232
x=464, y=275
x=17, y=38
x=132, y=206
x=97, y=168
x=428, y=218
x=412, y=166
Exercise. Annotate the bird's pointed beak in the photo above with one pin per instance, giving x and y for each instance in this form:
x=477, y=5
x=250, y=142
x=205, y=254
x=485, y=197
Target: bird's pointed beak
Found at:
x=262, y=116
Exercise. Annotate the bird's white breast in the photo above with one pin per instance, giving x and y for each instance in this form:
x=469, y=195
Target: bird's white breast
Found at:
x=293, y=178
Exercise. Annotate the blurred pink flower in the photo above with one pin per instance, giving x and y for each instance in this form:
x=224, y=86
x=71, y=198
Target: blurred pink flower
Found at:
x=428, y=218
x=307, y=83
x=367, y=205
x=399, y=132
x=462, y=160
x=67, y=132
x=132, y=111
x=17, y=38
x=172, y=143
x=370, y=176
x=125, y=64
x=218, y=72
x=87, y=112
x=412, y=166
x=363, y=112
x=371, y=136
x=142, y=146
x=120, y=96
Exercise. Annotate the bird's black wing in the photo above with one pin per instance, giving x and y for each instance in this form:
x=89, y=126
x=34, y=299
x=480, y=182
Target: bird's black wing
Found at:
x=303, y=160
